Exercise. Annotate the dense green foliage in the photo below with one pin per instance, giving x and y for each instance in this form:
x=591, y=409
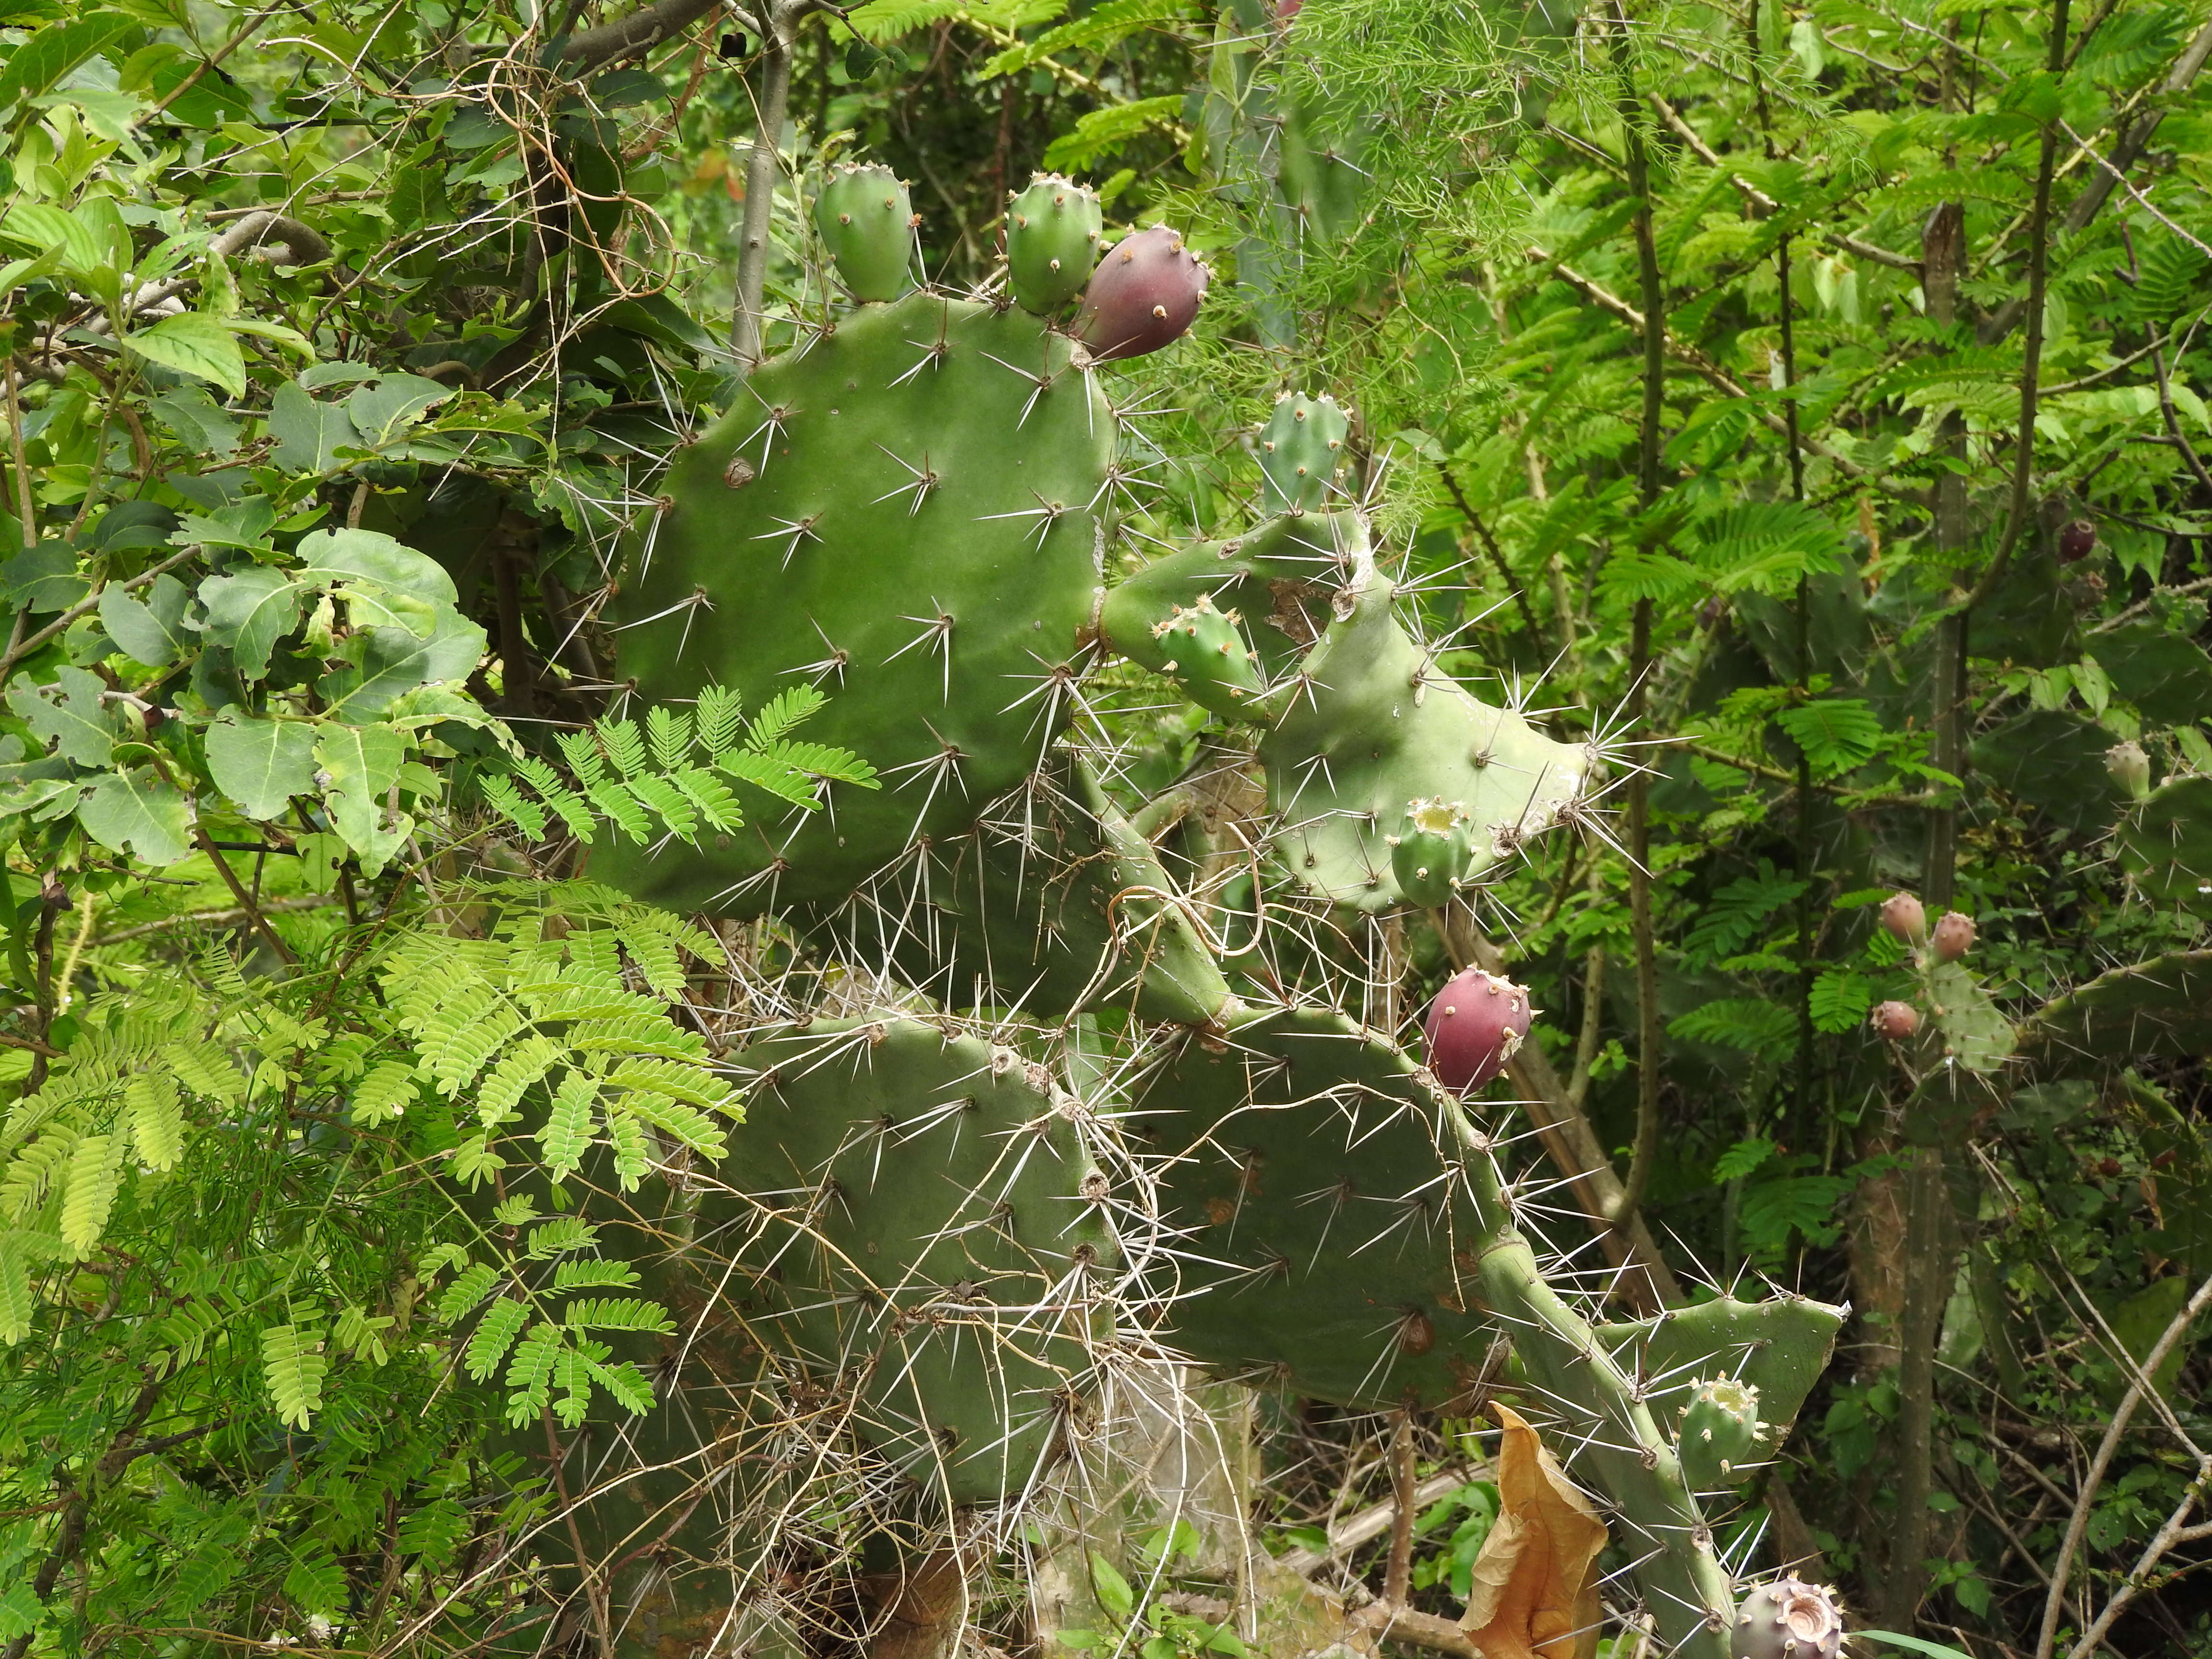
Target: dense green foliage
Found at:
x=1871, y=550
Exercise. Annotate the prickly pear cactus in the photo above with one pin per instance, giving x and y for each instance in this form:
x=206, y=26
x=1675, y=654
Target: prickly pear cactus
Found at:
x=1053, y=231
x=1720, y=1431
x=1788, y=1618
x=1302, y=454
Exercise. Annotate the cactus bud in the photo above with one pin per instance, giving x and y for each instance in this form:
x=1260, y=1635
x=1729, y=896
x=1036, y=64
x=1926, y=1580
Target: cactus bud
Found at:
x=1143, y=296
x=1431, y=855
x=1302, y=452
x=1896, y=1021
x=1788, y=1618
x=2077, y=541
x=1953, y=936
x=1206, y=650
x=866, y=221
x=1720, y=1429
x=2130, y=767
x=1901, y=914
x=1474, y=1027
x=1052, y=242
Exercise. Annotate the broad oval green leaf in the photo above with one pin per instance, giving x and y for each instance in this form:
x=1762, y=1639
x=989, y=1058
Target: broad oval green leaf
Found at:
x=195, y=344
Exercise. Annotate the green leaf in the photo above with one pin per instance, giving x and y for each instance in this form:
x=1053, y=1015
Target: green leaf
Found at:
x=1840, y=999
x=1112, y=1589
x=44, y=577
x=95, y=1175
x=249, y=612
x=494, y=1334
x=366, y=555
x=53, y=52
x=1742, y=1159
x=293, y=1372
x=395, y=661
x=244, y=523
x=1914, y=1643
x=137, y=811
x=308, y=434
x=382, y=410
x=151, y=631
x=362, y=764
x=1103, y=131
x=40, y=225
x=262, y=764
x=1836, y=733
x=72, y=715
x=193, y=343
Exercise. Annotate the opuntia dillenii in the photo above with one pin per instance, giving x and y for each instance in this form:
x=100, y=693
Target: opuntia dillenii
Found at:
x=1788, y=1618
x=2130, y=767
x=1475, y=1026
x=1143, y=295
x=1901, y=914
x=1896, y=1021
x=1720, y=1431
x=1953, y=936
x=2077, y=541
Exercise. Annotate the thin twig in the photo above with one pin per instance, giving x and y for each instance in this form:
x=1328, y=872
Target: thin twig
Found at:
x=1398, y=1571
x=85, y=606
x=245, y=900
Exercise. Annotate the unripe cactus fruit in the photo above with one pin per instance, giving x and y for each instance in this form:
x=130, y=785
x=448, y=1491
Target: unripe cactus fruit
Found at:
x=2130, y=768
x=1953, y=936
x=1474, y=1027
x=1143, y=295
x=1301, y=453
x=1432, y=853
x=1052, y=242
x=866, y=221
x=1896, y=1021
x=1906, y=922
x=1205, y=647
x=1788, y=1618
x=1720, y=1431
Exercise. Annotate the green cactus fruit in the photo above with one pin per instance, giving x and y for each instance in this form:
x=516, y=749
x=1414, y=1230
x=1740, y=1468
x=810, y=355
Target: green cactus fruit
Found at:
x=921, y=1234
x=1206, y=648
x=2158, y=1007
x=1778, y=1348
x=866, y=221
x=1052, y=904
x=901, y=513
x=1302, y=453
x=1360, y=723
x=1788, y=1618
x=1052, y=242
x=1720, y=1431
x=1321, y=1240
x=1430, y=855
x=2129, y=767
x=2166, y=844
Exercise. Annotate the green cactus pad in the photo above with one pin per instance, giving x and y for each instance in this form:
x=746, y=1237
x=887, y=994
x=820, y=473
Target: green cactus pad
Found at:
x=1052, y=903
x=1779, y=1346
x=2160, y=1007
x=2166, y=845
x=901, y=513
x=1327, y=1240
x=1431, y=853
x=1720, y=1432
x=1052, y=242
x=1206, y=650
x=1965, y=1028
x=1302, y=454
x=920, y=1228
x=866, y=221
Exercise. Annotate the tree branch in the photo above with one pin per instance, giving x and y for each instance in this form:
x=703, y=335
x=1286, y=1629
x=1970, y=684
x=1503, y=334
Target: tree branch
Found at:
x=640, y=31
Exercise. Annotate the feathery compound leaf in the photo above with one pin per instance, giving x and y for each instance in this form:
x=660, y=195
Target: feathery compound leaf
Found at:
x=519, y=1068
x=694, y=1128
x=529, y=1374
x=633, y=1157
x=637, y=1033
x=1836, y=733
x=624, y=745
x=593, y=1276
x=17, y=1306
x=32, y=1172
x=157, y=1118
x=510, y=803
x=559, y=1236
x=616, y=1313
x=293, y=1371
x=574, y=812
x=207, y=1069
x=782, y=712
x=464, y=1292
x=494, y=1334
x=669, y=731
x=627, y=1385
x=620, y=808
x=582, y=754
x=692, y=1084
x=785, y=782
x=820, y=759
x=95, y=1174
x=720, y=717
x=567, y=1135
x=666, y=799
x=383, y=1093
x=711, y=796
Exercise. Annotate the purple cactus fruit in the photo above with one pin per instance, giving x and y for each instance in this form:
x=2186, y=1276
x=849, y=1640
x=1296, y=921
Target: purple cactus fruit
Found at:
x=1143, y=295
x=1474, y=1027
x=1953, y=936
x=1896, y=1021
x=1906, y=922
x=1788, y=1618
x=2077, y=541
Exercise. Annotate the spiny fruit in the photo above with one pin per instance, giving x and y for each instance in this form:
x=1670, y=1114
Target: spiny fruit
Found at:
x=1143, y=296
x=866, y=221
x=2077, y=541
x=1896, y=1021
x=1475, y=1026
x=1052, y=242
x=1953, y=936
x=2130, y=768
x=1720, y=1431
x=1907, y=922
x=1207, y=648
x=1788, y=1618
x=1302, y=452
x=1433, y=852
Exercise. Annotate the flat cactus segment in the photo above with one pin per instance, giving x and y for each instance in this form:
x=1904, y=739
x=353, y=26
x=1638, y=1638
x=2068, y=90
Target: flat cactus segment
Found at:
x=1207, y=650
x=866, y=221
x=1052, y=242
x=901, y=513
x=1779, y=1346
x=2166, y=845
x=922, y=1221
x=2160, y=1007
x=1052, y=904
x=1324, y=1233
x=1302, y=453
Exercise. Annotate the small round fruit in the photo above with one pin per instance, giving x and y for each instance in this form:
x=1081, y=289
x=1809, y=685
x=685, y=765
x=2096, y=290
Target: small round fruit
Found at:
x=1788, y=1618
x=1896, y=1021
x=1475, y=1026
x=1907, y=922
x=1953, y=936
x=1143, y=296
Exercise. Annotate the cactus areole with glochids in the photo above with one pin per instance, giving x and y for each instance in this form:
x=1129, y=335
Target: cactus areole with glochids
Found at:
x=1145, y=295
x=1475, y=1026
x=1788, y=1618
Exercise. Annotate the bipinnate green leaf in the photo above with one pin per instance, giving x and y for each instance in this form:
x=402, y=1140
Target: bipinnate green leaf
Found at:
x=193, y=343
x=260, y=762
x=293, y=1368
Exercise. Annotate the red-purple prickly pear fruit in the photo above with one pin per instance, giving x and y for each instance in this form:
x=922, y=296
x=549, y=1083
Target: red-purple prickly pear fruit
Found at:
x=1906, y=922
x=1474, y=1027
x=1143, y=295
x=1896, y=1021
x=1953, y=936
x=2077, y=541
x=1788, y=1618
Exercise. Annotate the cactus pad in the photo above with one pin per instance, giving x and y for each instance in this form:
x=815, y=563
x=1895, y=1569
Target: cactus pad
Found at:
x=866, y=221
x=2163, y=1006
x=1052, y=242
x=1778, y=1347
x=2166, y=844
x=1302, y=454
x=901, y=513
